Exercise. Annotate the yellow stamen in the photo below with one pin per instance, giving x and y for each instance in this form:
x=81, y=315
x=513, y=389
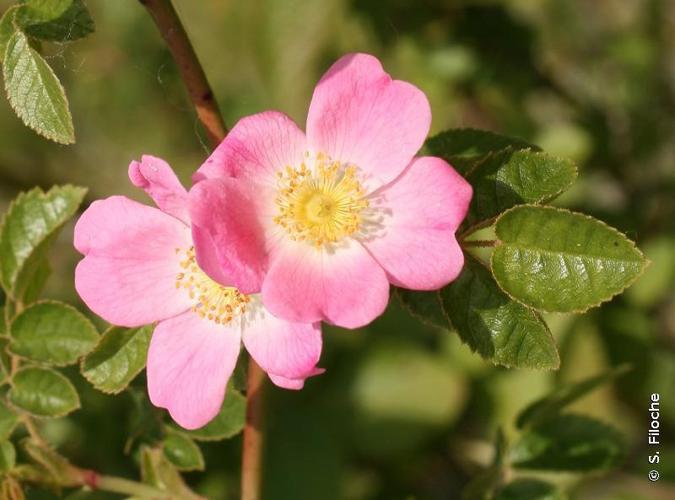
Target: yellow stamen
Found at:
x=320, y=205
x=213, y=301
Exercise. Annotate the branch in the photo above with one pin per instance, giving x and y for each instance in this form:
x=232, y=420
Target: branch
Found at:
x=171, y=29
x=251, y=461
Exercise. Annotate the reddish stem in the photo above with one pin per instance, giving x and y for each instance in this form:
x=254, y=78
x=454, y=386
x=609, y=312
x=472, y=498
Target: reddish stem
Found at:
x=251, y=462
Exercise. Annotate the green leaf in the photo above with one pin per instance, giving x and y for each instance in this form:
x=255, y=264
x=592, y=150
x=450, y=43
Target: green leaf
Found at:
x=31, y=223
x=119, y=356
x=35, y=93
x=183, y=452
x=43, y=392
x=37, y=282
x=8, y=421
x=465, y=148
x=568, y=443
x=530, y=489
x=56, y=20
x=156, y=470
x=229, y=421
x=510, y=177
x=425, y=306
x=498, y=328
x=556, y=260
x=7, y=28
x=52, y=332
x=7, y=456
x=552, y=404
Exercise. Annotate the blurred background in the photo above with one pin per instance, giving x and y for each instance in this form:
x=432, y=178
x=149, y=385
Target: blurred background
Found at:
x=403, y=411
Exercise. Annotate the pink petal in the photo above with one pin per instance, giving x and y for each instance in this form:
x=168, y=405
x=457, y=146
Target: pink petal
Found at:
x=292, y=383
x=257, y=146
x=228, y=233
x=283, y=348
x=190, y=361
x=360, y=115
x=343, y=286
x=155, y=176
x=129, y=271
x=423, y=209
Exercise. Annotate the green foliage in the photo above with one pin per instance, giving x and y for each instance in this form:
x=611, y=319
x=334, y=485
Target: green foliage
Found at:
x=183, y=452
x=43, y=392
x=549, y=406
x=157, y=471
x=7, y=28
x=55, y=20
x=119, y=356
x=529, y=489
x=495, y=326
x=465, y=148
x=34, y=91
x=7, y=456
x=487, y=320
x=8, y=420
x=512, y=177
x=53, y=333
x=228, y=422
x=556, y=260
x=568, y=442
x=31, y=223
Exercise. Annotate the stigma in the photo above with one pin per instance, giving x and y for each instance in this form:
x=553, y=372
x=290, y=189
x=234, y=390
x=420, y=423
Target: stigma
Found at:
x=213, y=301
x=320, y=201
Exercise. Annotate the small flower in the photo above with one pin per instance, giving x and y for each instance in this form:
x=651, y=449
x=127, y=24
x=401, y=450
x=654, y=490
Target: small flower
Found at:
x=322, y=223
x=139, y=267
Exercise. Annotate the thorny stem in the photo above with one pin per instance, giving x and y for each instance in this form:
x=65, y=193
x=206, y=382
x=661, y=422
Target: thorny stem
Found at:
x=191, y=71
x=202, y=97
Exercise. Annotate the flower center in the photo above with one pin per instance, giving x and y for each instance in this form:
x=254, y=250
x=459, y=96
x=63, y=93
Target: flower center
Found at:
x=215, y=302
x=321, y=203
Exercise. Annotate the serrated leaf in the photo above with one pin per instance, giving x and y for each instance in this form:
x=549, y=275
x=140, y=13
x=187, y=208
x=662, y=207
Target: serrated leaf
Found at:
x=43, y=392
x=119, y=356
x=8, y=421
x=512, y=177
x=229, y=421
x=529, y=489
x=464, y=148
x=183, y=452
x=7, y=28
x=552, y=404
x=498, y=328
x=55, y=20
x=35, y=93
x=556, y=260
x=425, y=306
x=7, y=456
x=568, y=443
x=52, y=332
x=32, y=221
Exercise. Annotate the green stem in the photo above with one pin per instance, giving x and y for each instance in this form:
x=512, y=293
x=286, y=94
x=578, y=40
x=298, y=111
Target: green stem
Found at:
x=122, y=486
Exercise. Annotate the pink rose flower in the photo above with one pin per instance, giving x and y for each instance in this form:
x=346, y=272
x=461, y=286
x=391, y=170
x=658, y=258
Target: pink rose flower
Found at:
x=322, y=223
x=139, y=267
